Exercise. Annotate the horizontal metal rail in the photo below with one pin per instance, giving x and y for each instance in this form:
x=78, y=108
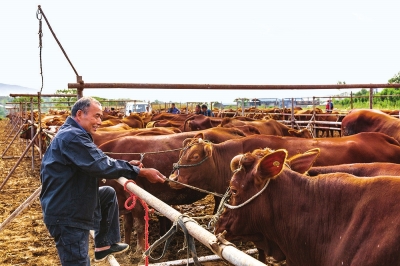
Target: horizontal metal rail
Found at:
x=41, y=95
x=224, y=86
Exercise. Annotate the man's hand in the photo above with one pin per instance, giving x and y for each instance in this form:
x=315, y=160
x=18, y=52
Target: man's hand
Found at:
x=136, y=163
x=152, y=175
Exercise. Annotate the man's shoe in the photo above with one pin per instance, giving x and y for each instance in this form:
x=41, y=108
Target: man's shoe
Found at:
x=114, y=249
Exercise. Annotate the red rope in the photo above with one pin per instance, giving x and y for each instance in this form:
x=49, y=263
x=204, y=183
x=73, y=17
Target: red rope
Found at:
x=132, y=198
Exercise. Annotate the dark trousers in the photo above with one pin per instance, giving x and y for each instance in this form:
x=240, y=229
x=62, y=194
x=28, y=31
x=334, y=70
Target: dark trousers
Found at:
x=73, y=243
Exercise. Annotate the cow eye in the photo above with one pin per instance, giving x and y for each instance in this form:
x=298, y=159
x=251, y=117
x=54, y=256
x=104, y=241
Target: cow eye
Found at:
x=234, y=191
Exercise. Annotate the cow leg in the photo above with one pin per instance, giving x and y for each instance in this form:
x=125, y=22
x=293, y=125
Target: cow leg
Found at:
x=139, y=223
x=261, y=256
x=165, y=224
x=128, y=225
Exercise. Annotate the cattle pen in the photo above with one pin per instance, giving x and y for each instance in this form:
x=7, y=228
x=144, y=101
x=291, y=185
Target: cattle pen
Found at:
x=14, y=128
x=25, y=183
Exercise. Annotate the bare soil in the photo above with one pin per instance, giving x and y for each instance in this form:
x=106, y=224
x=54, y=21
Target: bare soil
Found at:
x=26, y=241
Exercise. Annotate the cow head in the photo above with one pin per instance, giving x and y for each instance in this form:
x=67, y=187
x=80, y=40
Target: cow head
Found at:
x=252, y=173
x=193, y=162
x=26, y=131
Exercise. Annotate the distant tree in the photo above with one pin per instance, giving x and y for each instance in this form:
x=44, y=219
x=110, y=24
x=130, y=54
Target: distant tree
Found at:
x=393, y=92
x=65, y=102
x=395, y=79
x=3, y=101
x=245, y=100
x=26, y=102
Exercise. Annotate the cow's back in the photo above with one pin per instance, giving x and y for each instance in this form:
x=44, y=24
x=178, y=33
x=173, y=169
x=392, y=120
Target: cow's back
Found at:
x=359, y=148
x=367, y=120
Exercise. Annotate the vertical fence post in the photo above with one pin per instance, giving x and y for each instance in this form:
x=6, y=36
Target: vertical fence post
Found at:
x=32, y=133
x=292, y=114
x=371, y=97
x=313, y=115
x=40, y=123
x=351, y=100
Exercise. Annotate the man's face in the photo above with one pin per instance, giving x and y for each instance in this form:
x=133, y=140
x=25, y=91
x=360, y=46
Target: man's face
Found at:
x=92, y=120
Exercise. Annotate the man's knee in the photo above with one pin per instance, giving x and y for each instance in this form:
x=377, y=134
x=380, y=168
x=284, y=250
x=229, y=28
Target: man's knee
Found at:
x=107, y=192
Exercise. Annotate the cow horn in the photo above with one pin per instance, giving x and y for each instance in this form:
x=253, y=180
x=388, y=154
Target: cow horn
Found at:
x=200, y=140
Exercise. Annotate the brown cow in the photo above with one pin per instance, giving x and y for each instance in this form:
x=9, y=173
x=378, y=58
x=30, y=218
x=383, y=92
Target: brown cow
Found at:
x=45, y=138
x=133, y=120
x=100, y=136
x=169, y=116
x=213, y=173
x=160, y=152
x=118, y=127
x=358, y=169
x=366, y=120
x=110, y=122
x=167, y=123
x=53, y=120
x=331, y=219
x=210, y=170
x=268, y=127
x=200, y=122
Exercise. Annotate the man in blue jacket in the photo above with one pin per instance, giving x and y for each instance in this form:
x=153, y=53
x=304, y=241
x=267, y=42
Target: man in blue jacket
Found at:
x=205, y=111
x=173, y=109
x=72, y=203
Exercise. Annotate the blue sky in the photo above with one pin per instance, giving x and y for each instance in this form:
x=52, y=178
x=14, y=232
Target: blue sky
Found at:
x=201, y=42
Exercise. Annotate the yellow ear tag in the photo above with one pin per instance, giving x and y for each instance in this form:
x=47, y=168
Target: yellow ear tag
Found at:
x=276, y=163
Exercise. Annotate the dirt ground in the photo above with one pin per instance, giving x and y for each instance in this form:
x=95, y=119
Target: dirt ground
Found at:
x=26, y=241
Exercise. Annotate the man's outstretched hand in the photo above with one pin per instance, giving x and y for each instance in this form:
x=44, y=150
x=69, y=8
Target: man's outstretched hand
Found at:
x=151, y=174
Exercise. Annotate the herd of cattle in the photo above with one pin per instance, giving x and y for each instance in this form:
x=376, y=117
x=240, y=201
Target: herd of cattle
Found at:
x=309, y=201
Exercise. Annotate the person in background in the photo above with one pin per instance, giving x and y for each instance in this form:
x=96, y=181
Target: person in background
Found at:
x=329, y=106
x=197, y=109
x=71, y=200
x=173, y=109
x=205, y=111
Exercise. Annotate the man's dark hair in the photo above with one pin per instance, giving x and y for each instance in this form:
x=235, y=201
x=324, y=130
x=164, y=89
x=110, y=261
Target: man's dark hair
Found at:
x=83, y=104
x=204, y=106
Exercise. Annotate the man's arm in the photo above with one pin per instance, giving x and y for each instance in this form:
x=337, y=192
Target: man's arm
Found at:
x=90, y=159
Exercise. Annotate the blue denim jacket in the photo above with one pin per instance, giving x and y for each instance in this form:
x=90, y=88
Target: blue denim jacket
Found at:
x=69, y=174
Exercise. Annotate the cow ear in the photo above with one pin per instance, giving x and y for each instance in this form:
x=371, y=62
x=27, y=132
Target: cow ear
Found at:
x=271, y=165
x=208, y=150
x=199, y=136
x=235, y=162
x=301, y=163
